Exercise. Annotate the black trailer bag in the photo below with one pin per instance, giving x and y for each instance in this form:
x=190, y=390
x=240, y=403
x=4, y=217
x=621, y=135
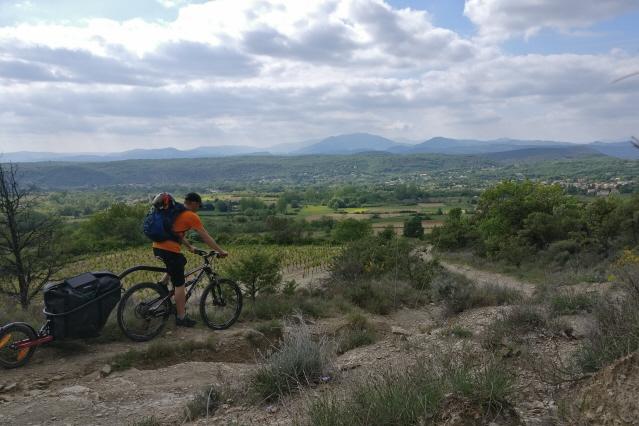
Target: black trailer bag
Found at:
x=80, y=306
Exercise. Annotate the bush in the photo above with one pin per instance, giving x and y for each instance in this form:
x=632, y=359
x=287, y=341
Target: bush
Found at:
x=277, y=306
x=414, y=396
x=299, y=361
x=352, y=230
x=569, y=303
x=380, y=296
x=376, y=256
x=357, y=332
x=12, y=312
x=118, y=226
x=203, y=404
x=460, y=332
x=513, y=326
x=389, y=398
x=413, y=227
x=164, y=353
x=273, y=330
x=614, y=336
x=487, y=386
x=259, y=271
x=458, y=293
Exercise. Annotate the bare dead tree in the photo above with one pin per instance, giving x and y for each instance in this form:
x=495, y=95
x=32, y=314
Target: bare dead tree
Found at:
x=29, y=253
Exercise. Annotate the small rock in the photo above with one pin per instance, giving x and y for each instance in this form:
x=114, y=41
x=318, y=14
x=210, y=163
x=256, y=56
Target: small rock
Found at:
x=40, y=384
x=96, y=375
x=5, y=398
x=106, y=370
x=10, y=387
x=271, y=409
x=56, y=378
x=75, y=390
x=399, y=331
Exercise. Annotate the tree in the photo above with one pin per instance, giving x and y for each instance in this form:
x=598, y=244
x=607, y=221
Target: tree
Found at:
x=413, y=227
x=116, y=227
x=259, y=271
x=29, y=249
x=352, y=230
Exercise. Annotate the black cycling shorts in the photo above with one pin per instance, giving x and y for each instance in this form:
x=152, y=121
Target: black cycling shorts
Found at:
x=175, y=263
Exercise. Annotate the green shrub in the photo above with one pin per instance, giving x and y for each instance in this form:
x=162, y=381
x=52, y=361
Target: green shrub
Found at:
x=487, y=386
x=388, y=398
x=413, y=227
x=357, y=332
x=11, y=311
x=458, y=293
x=460, y=332
x=259, y=272
x=513, y=326
x=568, y=303
x=203, y=404
x=273, y=330
x=615, y=335
x=147, y=421
x=161, y=352
x=414, y=396
x=299, y=361
x=277, y=306
x=381, y=296
x=352, y=230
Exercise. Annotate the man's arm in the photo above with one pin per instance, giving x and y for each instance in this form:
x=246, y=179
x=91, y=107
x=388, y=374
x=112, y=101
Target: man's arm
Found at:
x=209, y=241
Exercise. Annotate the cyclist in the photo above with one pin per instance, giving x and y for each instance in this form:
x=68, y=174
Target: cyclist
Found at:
x=170, y=253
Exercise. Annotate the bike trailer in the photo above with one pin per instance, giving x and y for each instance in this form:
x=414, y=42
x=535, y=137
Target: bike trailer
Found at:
x=78, y=307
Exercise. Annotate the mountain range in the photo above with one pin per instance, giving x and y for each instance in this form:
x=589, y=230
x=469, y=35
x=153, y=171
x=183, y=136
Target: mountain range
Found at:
x=352, y=144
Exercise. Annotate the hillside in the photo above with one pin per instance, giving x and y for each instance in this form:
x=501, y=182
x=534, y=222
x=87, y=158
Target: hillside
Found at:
x=334, y=145
x=311, y=169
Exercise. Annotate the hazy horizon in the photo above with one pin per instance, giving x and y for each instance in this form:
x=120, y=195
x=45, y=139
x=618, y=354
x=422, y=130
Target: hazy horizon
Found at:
x=97, y=77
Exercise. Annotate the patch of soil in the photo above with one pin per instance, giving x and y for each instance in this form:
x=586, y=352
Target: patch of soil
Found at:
x=460, y=412
x=610, y=397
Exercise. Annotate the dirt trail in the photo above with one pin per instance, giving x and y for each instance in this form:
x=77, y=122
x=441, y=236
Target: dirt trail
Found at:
x=490, y=278
x=71, y=390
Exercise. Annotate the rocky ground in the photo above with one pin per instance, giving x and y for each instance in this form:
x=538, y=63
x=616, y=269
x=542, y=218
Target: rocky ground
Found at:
x=63, y=386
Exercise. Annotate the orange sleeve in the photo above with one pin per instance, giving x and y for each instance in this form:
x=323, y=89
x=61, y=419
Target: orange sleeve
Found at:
x=195, y=222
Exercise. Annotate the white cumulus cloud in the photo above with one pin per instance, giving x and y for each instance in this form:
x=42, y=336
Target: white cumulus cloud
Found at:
x=500, y=19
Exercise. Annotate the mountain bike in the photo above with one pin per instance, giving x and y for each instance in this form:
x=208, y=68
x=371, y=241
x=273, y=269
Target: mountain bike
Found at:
x=145, y=308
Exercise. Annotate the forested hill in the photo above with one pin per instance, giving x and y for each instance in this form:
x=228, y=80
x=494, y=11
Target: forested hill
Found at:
x=366, y=167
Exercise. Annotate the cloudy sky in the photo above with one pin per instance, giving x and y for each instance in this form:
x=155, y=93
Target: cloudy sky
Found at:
x=121, y=74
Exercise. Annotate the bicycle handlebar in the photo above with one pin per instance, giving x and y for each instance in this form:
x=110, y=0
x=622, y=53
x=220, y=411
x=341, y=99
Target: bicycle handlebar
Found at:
x=204, y=253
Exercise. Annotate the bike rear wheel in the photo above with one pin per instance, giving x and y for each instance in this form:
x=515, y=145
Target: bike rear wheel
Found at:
x=10, y=356
x=144, y=311
x=221, y=304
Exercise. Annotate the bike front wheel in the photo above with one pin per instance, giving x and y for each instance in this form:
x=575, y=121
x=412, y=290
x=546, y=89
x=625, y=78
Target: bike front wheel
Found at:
x=221, y=304
x=144, y=311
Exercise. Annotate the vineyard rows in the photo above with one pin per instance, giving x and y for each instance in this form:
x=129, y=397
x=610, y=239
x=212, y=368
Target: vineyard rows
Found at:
x=305, y=260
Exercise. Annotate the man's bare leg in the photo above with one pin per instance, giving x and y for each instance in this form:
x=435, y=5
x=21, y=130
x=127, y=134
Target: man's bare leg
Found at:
x=180, y=301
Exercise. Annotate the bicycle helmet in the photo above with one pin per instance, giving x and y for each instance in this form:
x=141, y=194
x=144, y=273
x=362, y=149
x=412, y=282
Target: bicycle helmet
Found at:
x=163, y=201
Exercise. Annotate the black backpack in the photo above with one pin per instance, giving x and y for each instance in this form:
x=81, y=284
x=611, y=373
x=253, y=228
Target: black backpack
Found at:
x=158, y=223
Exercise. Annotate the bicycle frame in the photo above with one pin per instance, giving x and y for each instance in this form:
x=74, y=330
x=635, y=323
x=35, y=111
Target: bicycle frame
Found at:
x=207, y=269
